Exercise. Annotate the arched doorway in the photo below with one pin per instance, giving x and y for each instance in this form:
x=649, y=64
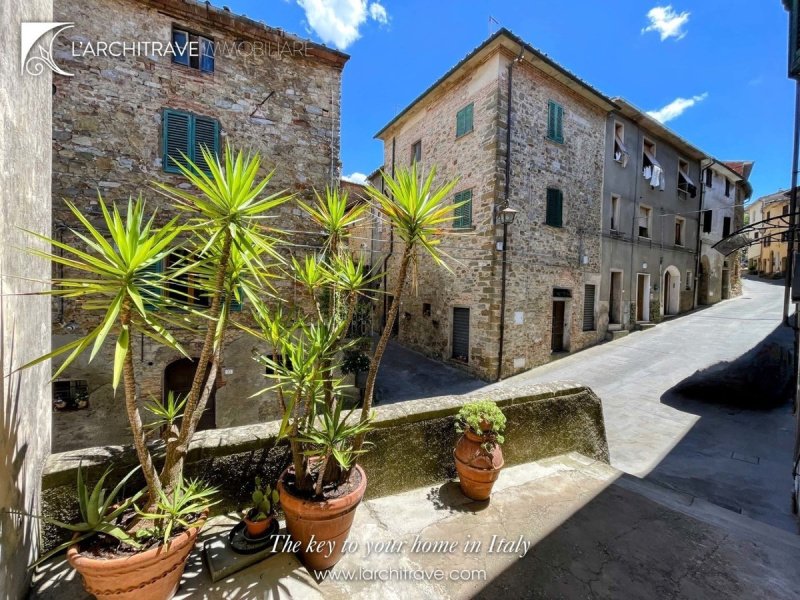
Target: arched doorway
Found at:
x=178, y=377
x=672, y=291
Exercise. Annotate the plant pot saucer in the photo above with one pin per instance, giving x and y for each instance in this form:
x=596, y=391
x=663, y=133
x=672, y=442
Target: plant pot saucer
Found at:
x=241, y=543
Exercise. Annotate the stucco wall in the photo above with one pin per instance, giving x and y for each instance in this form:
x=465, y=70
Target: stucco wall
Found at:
x=717, y=270
x=24, y=320
x=624, y=250
x=107, y=132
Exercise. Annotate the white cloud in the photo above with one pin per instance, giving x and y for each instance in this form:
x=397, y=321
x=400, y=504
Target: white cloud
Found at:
x=676, y=108
x=356, y=178
x=337, y=21
x=378, y=13
x=667, y=22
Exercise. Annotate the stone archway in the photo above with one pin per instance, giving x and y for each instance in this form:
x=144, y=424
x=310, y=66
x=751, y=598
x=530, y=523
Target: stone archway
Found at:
x=178, y=377
x=671, y=286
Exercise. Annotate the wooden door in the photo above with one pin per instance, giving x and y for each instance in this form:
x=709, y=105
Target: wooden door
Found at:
x=614, y=298
x=557, y=334
x=461, y=334
x=640, y=298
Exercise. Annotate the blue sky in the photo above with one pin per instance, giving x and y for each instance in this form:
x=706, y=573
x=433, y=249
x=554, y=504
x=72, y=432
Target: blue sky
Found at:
x=725, y=58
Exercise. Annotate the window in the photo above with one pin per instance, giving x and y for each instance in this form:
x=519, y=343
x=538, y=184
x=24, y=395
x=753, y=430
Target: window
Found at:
x=70, y=394
x=726, y=226
x=280, y=359
x=785, y=211
x=649, y=158
x=620, y=151
x=727, y=187
x=615, y=201
x=688, y=280
x=193, y=50
x=460, y=334
x=709, y=177
x=463, y=213
x=708, y=217
x=186, y=133
x=756, y=236
x=555, y=206
x=416, y=151
x=555, y=122
x=644, y=221
x=679, y=230
x=588, y=307
x=426, y=309
x=686, y=186
x=186, y=289
x=464, y=120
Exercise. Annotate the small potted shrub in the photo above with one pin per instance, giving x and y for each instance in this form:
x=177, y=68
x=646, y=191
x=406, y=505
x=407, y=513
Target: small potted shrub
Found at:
x=478, y=456
x=357, y=363
x=258, y=519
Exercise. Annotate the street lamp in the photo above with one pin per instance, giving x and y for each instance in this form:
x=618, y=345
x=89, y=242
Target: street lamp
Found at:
x=504, y=216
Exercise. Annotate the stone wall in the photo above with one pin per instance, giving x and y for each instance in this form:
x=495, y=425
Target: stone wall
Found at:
x=539, y=257
x=25, y=108
x=413, y=446
x=107, y=131
x=717, y=274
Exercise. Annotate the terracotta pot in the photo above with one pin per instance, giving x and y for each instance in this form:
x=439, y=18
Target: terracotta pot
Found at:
x=477, y=469
x=153, y=574
x=255, y=529
x=326, y=521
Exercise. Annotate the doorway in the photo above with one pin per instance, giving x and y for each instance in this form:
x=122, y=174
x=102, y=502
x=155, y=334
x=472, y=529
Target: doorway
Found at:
x=461, y=334
x=642, y=297
x=615, y=299
x=178, y=377
x=557, y=331
x=672, y=291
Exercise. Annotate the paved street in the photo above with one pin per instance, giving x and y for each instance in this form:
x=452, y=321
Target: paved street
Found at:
x=735, y=456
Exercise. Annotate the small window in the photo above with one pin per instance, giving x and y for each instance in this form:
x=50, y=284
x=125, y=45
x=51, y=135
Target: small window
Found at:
x=186, y=134
x=785, y=211
x=416, y=151
x=644, y=221
x=708, y=217
x=686, y=187
x=615, y=202
x=756, y=236
x=727, y=187
x=726, y=226
x=555, y=208
x=688, y=280
x=192, y=50
x=70, y=394
x=620, y=150
x=709, y=177
x=426, y=309
x=280, y=359
x=588, y=307
x=649, y=161
x=555, y=122
x=463, y=213
x=186, y=288
x=464, y=120
x=679, y=231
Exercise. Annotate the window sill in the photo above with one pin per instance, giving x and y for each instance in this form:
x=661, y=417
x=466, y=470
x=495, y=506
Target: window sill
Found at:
x=644, y=237
x=465, y=134
x=549, y=139
x=467, y=228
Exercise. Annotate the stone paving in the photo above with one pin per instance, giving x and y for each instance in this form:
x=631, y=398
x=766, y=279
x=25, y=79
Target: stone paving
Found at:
x=564, y=527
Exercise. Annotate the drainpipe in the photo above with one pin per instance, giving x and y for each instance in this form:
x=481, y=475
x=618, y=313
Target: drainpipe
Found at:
x=634, y=232
x=391, y=248
x=505, y=225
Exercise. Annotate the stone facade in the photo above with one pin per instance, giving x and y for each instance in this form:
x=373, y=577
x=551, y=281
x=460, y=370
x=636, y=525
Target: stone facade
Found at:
x=540, y=258
x=754, y=215
x=269, y=91
x=648, y=269
x=719, y=275
x=774, y=248
x=25, y=428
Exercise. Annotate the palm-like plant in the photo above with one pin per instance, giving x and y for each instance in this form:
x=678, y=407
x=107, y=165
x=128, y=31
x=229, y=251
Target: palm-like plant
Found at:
x=226, y=245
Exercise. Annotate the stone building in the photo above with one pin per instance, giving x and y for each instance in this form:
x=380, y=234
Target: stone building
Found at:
x=774, y=248
x=238, y=82
x=551, y=173
x=651, y=205
x=754, y=216
x=724, y=194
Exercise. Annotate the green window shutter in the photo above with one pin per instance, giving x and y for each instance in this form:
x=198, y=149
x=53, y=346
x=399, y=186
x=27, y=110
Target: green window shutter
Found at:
x=464, y=120
x=149, y=291
x=236, y=305
x=555, y=121
x=555, y=202
x=206, y=135
x=468, y=121
x=177, y=136
x=463, y=213
x=460, y=123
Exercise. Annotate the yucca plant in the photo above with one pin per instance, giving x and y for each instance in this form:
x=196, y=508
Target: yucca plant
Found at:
x=226, y=244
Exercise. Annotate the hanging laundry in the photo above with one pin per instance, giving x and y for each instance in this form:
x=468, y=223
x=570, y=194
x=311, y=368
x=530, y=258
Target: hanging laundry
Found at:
x=648, y=172
x=656, y=178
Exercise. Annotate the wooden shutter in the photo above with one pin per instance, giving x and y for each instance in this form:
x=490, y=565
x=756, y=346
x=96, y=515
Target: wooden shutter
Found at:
x=206, y=135
x=152, y=289
x=180, y=44
x=468, y=118
x=588, y=307
x=463, y=213
x=555, y=118
x=177, y=135
x=461, y=334
x=460, y=123
x=206, y=55
x=707, y=215
x=555, y=201
x=464, y=120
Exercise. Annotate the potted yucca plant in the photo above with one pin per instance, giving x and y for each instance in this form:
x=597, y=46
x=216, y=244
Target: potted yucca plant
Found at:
x=324, y=484
x=226, y=247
